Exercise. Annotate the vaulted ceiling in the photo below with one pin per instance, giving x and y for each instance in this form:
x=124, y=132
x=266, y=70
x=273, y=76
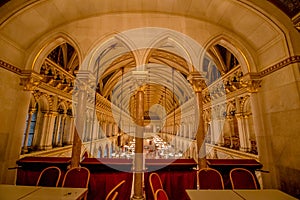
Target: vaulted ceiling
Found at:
x=64, y=55
x=290, y=7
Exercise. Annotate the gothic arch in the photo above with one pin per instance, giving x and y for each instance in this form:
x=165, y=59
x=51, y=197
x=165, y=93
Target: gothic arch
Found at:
x=42, y=48
x=45, y=102
x=246, y=105
x=238, y=49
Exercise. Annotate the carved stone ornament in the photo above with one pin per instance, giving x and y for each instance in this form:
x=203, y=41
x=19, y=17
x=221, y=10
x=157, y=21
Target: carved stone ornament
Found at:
x=252, y=85
x=296, y=21
x=30, y=80
x=197, y=80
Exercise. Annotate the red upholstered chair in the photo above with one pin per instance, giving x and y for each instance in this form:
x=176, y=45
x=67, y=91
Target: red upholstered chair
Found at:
x=49, y=177
x=113, y=194
x=241, y=178
x=77, y=177
x=209, y=178
x=160, y=194
x=155, y=182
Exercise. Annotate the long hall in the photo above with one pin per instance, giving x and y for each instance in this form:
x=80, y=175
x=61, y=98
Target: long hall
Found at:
x=129, y=88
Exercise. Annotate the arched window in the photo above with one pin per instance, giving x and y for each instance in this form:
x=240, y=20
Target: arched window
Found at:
x=32, y=128
x=29, y=129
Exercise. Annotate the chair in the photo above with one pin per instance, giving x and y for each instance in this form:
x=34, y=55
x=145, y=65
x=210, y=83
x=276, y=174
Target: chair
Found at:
x=155, y=182
x=241, y=178
x=209, y=178
x=77, y=177
x=49, y=177
x=161, y=194
x=113, y=193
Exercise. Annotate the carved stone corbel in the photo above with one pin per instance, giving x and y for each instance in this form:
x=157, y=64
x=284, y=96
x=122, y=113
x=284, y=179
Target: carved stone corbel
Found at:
x=251, y=85
x=296, y=21
x=30, y=80
x=197, y=80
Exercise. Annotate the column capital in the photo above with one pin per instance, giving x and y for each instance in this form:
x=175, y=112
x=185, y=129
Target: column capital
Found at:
x=197, y=80
x=296, y=21
x=30, y=80
x=250, y=83
x=31, y=111
x=139, y=77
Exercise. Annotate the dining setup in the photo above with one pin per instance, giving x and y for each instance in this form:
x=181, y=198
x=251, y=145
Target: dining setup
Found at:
x=15, y=192
x=179, y=179
x=261, y=194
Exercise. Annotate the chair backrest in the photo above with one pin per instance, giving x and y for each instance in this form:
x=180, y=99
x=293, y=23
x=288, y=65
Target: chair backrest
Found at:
x=241, y=178
x=77, y=177
x=160, y=194
x=155, y=182
x=209, y=178
x=113, y=193
x=49, y=177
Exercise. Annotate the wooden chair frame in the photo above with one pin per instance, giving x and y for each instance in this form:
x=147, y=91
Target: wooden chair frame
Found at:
x=45, y=171
x=160, y=191
x=150, y=180
x=241, y=169
x=78, y=168
x=209, y=169
x=114, y=192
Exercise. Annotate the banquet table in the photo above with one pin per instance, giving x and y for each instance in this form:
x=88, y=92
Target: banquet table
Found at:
x=15, y=192
x=213, y=194
x=11, y=192
x=264, y=194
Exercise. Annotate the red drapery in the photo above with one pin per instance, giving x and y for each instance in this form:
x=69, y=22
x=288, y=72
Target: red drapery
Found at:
x=176, y=175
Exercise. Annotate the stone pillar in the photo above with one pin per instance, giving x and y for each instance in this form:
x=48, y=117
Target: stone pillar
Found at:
x=242, y=134
x=104, y=126
x=83, y=78
x=247, y=132
x=45, y=141
x=62, y=132
x=12, y=131
x=69, y=131
x=198, y=83
x=140, y=77
x=57, y=128
x=25, y=143
x=139, y=145
x=109, y=131
x=262, y=144
x=116, y=129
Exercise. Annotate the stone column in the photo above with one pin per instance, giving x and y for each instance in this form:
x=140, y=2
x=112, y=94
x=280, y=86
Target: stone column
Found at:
x=198, y=83
x=139, y=143
x=62, y=132
x=70, y=131
x=25, y=143
x=12, y=131
x=140, y=77
x=247, y=131
x=57, y=128
x=45, y=142
x=103, y=133
x=109, y=132
x=116, y=129
x=83, y=78
x=242, y=133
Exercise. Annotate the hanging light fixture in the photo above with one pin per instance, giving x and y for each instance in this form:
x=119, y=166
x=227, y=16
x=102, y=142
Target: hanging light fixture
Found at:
x=121, y=111
x=174, y=107
x=173, y=96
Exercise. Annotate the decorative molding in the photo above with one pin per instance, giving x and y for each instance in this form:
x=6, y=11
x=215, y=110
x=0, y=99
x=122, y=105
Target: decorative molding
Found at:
x=289, y=7
x=10, y=67
x=296, y=21
x=30, y=80
x=288, y=61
